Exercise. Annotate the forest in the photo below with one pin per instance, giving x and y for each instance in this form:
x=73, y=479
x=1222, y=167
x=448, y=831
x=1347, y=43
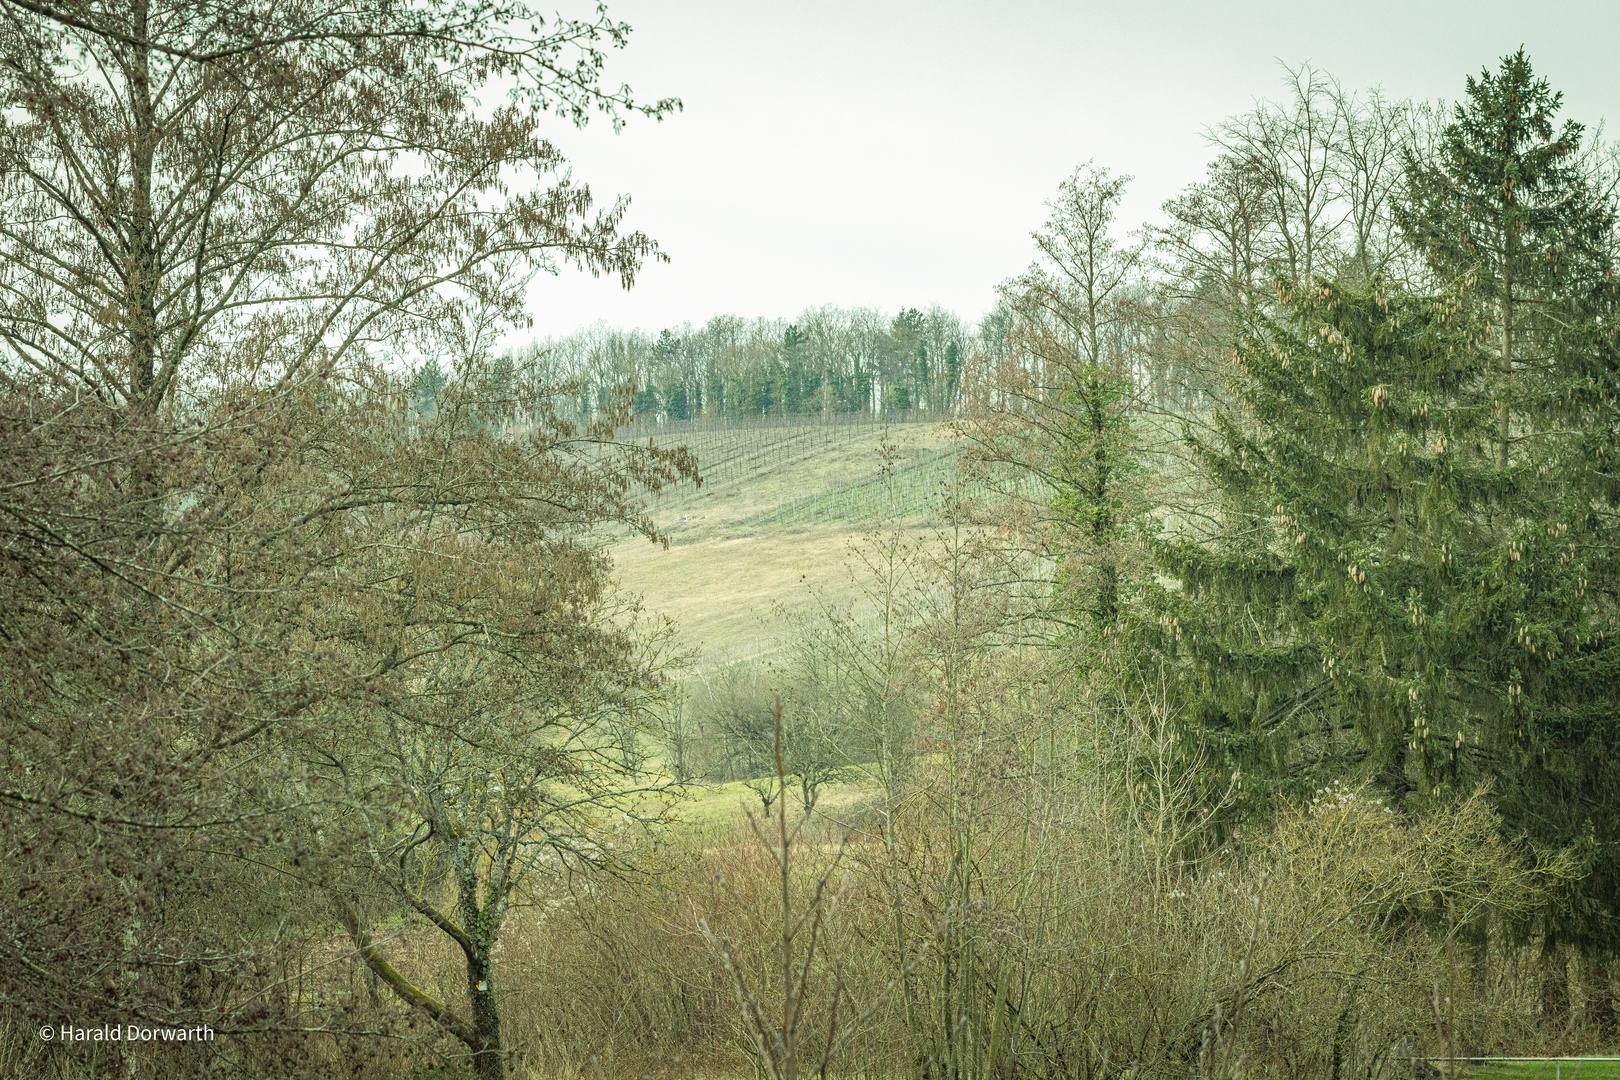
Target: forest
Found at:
x=1197, y=665
x=828, y=360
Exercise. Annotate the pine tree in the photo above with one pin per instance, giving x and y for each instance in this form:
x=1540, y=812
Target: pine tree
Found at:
x=1508, y=204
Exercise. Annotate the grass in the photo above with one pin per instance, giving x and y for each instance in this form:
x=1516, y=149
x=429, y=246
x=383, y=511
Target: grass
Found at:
x=727, y=594
x=771, y=527
x=1543, y=1070
x=710, y=808
x=751, y=472
x=911, y=490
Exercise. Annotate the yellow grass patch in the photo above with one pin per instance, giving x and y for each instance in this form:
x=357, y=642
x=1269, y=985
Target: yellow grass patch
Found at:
x=726, y=583
x=727, y=594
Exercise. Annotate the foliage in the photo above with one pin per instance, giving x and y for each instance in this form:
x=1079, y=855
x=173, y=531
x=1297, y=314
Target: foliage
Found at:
x=309, y=640
x=828, y=361
x=1414, y=540
x=1060, y=402
x=258, y=202
x=1283, y=747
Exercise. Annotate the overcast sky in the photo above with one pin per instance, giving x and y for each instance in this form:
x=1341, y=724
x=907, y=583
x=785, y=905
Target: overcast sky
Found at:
x=888, y=153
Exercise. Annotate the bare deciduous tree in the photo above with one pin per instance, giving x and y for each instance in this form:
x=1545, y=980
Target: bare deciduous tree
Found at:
x=223, y=192
x=227, y=233
x=1062, y=401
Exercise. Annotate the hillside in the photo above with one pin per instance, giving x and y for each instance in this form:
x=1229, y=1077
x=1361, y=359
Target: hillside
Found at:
x=778, y=508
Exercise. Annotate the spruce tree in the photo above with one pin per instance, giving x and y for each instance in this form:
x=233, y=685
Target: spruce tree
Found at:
x=1510, y=204
x=1326, y=623
x=1414, y=575
x=1507, y=204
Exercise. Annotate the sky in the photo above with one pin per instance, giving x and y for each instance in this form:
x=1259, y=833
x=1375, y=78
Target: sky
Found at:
x=896, y=154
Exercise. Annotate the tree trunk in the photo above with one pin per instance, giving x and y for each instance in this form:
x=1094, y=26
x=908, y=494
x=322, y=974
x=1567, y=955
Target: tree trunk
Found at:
x=1554, y=987
x=480, y=929
x=1507, y=348
x=142, y=268
x=1600, y=1011
x=902, y=947
x=489, y=1060
x=1479, y=978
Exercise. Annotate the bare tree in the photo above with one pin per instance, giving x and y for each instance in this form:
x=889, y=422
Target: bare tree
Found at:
x=1368, y=173
x=318, y=632
x=1292, y=149
x=197, y=194
x=507, y=761
x=780, y=1014
x=227, y=232
x=1061, y=404
x=500, y=684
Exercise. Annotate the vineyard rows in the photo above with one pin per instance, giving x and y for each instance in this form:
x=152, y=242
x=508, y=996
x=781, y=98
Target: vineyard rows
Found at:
x=736, y=452
x=910, y=489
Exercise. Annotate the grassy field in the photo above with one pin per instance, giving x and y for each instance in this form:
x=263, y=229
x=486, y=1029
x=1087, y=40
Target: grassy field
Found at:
x=772, y=525
x=1541, y=1070
x=720, y=806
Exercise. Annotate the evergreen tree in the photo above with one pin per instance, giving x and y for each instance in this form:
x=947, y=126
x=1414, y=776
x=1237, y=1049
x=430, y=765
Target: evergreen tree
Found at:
x=1510, y=203
x=675, y=376
x=426, y=386
x=904, y=362
x=799, y=382
x=646, y=402
x=1413, y=570
x=1341, y=591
